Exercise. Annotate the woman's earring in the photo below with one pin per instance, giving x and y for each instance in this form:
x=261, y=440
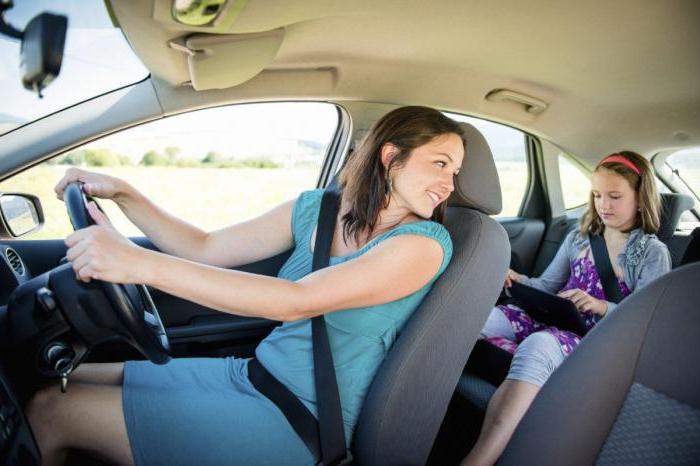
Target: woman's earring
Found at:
x=388, y=186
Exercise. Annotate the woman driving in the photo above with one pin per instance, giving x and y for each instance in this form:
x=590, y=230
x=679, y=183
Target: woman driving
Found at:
x=388, y=248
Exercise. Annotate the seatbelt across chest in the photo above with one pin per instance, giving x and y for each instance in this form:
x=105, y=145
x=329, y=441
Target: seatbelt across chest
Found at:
x=611, y=287
x=324, y=438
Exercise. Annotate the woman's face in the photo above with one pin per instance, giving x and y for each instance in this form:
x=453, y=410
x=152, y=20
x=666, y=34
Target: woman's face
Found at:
x=615, y=200
x=427, y=178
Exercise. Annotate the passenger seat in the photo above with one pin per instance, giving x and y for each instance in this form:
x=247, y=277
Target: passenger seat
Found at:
x=630, y=393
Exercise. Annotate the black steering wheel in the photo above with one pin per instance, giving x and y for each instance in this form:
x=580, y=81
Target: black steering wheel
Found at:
x=137, y=321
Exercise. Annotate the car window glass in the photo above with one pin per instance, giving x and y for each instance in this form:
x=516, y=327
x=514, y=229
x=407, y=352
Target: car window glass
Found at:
x=686, y=165
x=96, y=59
x=575, y=185
x=212, y=167
x=510, y=154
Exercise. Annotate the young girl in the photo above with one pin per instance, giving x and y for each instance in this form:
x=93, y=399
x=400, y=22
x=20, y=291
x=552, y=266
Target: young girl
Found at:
x=387, y=251
x=624, y=207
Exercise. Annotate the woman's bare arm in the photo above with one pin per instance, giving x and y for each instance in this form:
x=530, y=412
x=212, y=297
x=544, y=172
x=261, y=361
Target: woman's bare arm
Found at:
x=243, y=243
x=391, y=270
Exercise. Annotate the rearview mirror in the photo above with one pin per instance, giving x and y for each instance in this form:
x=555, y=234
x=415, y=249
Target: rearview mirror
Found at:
x=20, y=214
x=41, y=53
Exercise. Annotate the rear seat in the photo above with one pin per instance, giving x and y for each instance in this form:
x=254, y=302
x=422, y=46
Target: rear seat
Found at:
x=684, y=248
x=673, y=205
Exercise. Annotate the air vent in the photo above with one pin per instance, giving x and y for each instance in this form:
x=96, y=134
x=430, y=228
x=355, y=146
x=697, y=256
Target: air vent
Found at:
x=14, y=261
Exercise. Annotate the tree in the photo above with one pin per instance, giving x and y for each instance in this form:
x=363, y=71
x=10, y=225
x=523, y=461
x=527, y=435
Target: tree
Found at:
x=213, y=158
x=152, y=158
x=76, y=157
x=101, y=158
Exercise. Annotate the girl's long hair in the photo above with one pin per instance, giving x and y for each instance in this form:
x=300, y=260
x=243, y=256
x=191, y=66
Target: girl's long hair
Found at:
x=648, y=217
x=364, y=179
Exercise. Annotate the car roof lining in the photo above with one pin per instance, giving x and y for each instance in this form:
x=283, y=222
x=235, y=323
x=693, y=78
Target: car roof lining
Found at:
x=607, y=71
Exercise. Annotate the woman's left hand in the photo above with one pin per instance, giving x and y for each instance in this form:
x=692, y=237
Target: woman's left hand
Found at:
x=585, y=302
x=102, y=253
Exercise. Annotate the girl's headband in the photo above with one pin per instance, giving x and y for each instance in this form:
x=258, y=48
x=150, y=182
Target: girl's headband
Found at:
x=617, y=158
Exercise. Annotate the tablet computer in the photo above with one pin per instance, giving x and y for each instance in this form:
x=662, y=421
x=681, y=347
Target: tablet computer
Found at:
x=549, y=308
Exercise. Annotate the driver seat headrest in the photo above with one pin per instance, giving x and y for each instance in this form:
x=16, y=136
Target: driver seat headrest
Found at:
x=477, y=185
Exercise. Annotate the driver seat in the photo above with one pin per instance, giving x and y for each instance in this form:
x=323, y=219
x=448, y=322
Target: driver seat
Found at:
x=408, y=398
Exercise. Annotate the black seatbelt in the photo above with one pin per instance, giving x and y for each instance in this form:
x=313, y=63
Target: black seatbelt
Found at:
x=330, y=418
x=324, y=438
x=611, y=287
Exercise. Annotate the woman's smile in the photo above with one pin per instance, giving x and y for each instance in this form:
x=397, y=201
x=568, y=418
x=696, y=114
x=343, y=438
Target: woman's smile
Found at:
x=434, y=197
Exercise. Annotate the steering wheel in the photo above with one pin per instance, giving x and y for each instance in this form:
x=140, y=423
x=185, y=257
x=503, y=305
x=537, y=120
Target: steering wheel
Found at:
x=138, y=321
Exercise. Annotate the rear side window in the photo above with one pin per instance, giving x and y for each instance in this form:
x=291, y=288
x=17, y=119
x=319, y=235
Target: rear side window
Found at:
x=685, y=164
x=509, y=150
x=575, y=185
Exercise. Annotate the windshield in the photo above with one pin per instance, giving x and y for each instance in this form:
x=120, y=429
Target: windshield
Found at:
x=96, y=59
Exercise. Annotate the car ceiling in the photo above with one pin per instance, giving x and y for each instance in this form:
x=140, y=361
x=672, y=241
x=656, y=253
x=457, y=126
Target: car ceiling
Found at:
x=623, y=74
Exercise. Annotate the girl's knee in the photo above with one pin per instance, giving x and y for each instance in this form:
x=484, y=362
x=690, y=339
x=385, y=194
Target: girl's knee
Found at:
x=536, y=358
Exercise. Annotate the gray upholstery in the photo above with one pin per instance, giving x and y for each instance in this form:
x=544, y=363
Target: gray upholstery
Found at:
x=477, y=187
x=408, y=398
x=649, y=340
x=653, y=428
x=672, y=206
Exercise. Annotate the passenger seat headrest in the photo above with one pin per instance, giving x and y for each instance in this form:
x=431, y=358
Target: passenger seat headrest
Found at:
x=672, y=207
x=477, y=185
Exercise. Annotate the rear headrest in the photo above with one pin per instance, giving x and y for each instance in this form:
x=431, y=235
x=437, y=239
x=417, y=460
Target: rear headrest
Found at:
x=672, y=206
x=477, y=184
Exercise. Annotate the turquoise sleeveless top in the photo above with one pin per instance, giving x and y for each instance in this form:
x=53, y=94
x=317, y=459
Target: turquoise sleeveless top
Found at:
x=360, y=338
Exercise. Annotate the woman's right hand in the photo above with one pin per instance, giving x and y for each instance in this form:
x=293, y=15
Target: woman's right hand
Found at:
x=94, y=184
x=511, y=277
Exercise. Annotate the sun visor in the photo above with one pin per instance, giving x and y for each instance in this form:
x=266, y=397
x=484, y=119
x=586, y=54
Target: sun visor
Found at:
x=226, y=60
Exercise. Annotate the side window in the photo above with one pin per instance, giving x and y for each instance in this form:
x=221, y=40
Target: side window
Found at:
x=509, y=150
x=211, y=167
x=685, y=164
x=575, y=185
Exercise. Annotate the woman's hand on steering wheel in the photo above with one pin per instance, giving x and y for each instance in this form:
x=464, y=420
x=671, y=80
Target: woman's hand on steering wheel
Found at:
x=93, y=184
x=102, y=253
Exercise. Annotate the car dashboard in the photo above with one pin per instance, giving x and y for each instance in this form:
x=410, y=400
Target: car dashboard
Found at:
x=17, y=445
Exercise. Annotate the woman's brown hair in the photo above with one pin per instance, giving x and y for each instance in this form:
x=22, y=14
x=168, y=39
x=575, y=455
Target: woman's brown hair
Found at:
x=364, y=179
x=643, y=183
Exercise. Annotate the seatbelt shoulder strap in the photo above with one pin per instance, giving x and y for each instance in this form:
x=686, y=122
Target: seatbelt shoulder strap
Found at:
x=330, y=417
x=611, y=287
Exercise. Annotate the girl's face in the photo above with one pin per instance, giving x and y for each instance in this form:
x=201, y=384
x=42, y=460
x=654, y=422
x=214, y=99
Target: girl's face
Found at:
x=615, y=200
x=427, y=178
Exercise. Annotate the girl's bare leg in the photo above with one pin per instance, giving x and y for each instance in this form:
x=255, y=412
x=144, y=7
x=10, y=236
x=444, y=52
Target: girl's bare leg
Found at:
x=88, y=417
x=506, y=408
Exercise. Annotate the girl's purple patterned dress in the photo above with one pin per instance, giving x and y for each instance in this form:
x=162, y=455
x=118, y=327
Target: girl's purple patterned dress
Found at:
x=583, y=276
